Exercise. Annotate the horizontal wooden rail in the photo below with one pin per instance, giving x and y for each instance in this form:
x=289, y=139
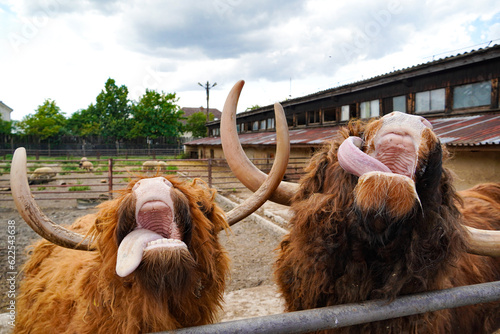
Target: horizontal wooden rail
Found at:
x=116, y=173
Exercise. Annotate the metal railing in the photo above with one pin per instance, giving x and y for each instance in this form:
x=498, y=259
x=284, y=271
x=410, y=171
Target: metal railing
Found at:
x=354, y=314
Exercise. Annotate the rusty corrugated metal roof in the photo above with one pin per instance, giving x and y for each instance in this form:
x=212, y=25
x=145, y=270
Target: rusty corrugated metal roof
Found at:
x=477, y=130
x=303, y=136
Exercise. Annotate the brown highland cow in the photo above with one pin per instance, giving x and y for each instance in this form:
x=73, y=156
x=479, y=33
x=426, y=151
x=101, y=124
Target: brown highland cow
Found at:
x=114, y=289
x=377, y=217
x=149, y=260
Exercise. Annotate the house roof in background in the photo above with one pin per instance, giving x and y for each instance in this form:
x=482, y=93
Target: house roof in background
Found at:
x=5, y=106
x=189, y=111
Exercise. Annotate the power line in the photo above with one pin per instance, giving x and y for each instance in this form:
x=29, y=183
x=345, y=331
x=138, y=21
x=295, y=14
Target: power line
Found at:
x=465, y=47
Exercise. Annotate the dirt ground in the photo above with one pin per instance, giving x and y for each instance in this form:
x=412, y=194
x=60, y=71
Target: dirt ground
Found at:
x=250, y=247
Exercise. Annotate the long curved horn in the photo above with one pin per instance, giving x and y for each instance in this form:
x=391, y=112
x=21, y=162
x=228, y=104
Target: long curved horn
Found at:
x=483, y=242
x=275, y=176
x=31, y=212
x=236, y=158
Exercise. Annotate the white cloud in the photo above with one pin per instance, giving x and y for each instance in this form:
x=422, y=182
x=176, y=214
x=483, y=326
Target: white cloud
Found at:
x=494, y=32
x=66, y=50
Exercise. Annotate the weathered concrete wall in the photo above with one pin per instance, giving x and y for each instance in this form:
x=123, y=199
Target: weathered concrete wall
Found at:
x=472, y=168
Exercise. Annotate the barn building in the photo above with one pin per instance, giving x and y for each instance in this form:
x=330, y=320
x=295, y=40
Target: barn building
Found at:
x=459, y=95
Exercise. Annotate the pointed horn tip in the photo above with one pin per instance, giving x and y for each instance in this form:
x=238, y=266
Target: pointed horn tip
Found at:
x=19, y=153
x=238, y=85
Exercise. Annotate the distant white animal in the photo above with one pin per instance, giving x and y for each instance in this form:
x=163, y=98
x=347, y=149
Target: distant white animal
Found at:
x=85, y=164
x=42, y=175
x=158, y=166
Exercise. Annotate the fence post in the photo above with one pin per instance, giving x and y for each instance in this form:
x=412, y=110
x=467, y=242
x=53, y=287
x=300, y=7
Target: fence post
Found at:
x=209, y=176
x=110, y=177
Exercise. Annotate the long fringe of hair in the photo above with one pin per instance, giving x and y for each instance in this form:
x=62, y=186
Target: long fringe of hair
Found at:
x=67, y=291
x=327, y=259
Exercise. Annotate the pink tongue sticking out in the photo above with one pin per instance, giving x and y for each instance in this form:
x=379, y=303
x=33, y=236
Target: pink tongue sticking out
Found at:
x=357, y=162
x=135, y=243
x=131, y=248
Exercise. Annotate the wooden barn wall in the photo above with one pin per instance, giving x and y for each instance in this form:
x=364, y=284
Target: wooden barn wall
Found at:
x=401, y=84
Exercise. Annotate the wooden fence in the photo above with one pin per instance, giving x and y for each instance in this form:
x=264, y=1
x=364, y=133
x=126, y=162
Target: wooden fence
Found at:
x=66, y=180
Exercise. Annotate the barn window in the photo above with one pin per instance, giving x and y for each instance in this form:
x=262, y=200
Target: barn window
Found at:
x=270, y=123
x=399, y=103
x=344, y=113
x=431, y=100
x=300, y=119
x=329, y=115
x=472, y=95
x=313, y=117
x=255, y=126
x=369, y=109
x=290, y=120
x=263, y=124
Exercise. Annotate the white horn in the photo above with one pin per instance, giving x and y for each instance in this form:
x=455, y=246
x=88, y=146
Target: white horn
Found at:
x=31, y=212
x=236, y=158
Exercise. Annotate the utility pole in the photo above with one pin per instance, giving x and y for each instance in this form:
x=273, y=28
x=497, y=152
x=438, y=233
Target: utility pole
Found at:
x=207, y=87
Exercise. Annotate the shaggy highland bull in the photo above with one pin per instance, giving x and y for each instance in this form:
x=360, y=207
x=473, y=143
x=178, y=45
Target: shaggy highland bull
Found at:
x=149, y=260
x=377, y=217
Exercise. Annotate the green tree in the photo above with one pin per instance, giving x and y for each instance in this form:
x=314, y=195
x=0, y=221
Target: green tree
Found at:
x=196, y=123
x=111, y=112
x=156, y=115
x=255, y=106
x=85, y=122
x=47, y=123
x=5, y=127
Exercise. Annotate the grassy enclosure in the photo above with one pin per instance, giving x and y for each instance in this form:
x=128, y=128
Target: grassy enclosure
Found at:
x=64, y=178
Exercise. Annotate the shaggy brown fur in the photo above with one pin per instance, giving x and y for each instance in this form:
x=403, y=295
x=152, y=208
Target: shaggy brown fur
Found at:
x=68, y=291
x=340, y=252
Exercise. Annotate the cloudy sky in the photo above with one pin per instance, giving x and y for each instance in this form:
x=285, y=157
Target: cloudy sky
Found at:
x=66, y=50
